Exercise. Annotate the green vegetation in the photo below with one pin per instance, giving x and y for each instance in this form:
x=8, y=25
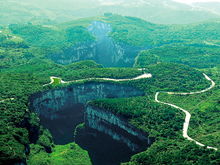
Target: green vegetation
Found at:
x=57, y=81
x=172, y=77
x=84, y=65
x=183, y=44
x=156, y=120
x=16, y=83
x=165, y=123
x=25, y=68
x=68, y=154
x=176, y=151
x=47, y=36
x=13, y=51
x=78, y=34
x=205, y=110
x=133, y=31
x=194, y=55
x=19, y=126
x=14, y=137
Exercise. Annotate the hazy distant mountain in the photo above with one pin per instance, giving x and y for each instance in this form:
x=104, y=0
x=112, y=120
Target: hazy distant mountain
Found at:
x=157, y=11
x=212, y=7
x=163, y=11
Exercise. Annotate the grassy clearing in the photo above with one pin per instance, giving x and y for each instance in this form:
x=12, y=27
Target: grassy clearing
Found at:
x=57, y=81
x=69, y=154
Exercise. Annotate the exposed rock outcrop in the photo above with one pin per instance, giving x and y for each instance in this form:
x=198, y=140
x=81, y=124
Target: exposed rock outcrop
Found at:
x=104, y=50
x=116, y=127
x=60, y=110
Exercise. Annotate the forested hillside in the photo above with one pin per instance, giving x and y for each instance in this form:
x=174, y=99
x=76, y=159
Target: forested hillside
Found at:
x=116, y=48
x=174, y=43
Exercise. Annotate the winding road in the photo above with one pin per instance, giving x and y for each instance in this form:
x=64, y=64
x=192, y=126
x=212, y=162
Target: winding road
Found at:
x=145, y=75
x=210, y=43
x=148, y=75
x=188, y=115
x=2, y=101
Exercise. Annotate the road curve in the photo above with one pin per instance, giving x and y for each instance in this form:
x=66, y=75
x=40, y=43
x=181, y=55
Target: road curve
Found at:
x=2, y=101
x=188, y=115
x=145, y=75
x=148, y=75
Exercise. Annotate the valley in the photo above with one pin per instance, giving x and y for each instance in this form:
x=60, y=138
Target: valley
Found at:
x=109, y=90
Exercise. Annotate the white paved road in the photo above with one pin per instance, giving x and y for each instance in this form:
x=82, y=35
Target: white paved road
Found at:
x=188, y=115
x=145, y=75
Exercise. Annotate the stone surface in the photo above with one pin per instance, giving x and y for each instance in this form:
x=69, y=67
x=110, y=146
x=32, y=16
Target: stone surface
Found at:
x=104, y=50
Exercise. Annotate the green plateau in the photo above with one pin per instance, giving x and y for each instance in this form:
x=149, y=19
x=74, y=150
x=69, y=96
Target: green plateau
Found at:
x=175, y=55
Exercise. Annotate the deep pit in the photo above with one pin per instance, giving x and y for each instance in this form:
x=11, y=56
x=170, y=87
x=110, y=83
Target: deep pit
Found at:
x=107, y=137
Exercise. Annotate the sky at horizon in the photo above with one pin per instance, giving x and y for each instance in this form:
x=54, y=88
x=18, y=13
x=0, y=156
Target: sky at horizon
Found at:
x=193, y=1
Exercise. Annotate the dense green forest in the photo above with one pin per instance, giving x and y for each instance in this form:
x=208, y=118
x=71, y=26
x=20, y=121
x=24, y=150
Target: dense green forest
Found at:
x=45, y=41
x=198, y=55
x=175, y=55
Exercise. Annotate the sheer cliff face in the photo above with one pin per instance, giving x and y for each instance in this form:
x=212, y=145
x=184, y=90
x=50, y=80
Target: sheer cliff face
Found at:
x=109, y=52
x=50, y=102
x=104, y=50
x=108, y=138
x=61, y=110
x=78, y=52
x=116, y=127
